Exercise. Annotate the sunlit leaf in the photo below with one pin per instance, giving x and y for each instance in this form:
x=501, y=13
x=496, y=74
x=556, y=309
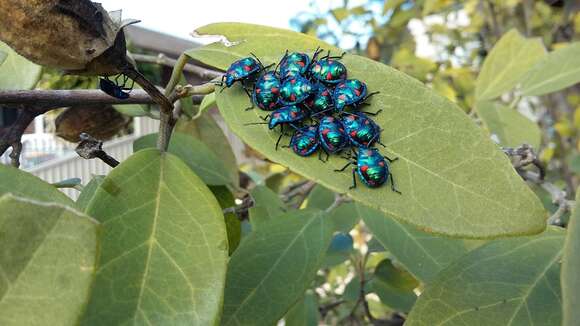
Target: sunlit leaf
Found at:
x=268, y=43
x=195, y=154
x=511, y=57
x=16, y=72
x=164, y=245
x=505, y=282
x=571, y=269
x=453, y=179
x=554, y=72
x=47, y=261
x=508, y=125
x=273, y=266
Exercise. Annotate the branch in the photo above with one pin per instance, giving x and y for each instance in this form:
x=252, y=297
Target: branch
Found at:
x=62, y=98
x=162, y=59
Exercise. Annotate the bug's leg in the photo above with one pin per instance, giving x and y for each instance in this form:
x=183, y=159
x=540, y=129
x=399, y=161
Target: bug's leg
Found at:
x=373, y=113
x=278, y=141
x=353, y=179
x=391, y=160
x=393, y=188
x=369, y=95
x=344, y=167
x=265, y=118
x=281, y=60
x=338, y=57
x=251, y=99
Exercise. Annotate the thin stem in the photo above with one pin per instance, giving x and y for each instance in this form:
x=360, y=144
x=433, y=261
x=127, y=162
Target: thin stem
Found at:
x=162, y=59
x=176, y=74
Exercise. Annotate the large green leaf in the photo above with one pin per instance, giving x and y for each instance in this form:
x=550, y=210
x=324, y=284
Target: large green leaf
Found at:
x=206, y=129
x=423, y=255
x=571, y=269
x=511, y=127
x=454, y=180
x=164, y=246
x=273, y=266
x=88, y=192
x=556, y=71
x=394, y=286
x=508, y=61
x=267, y=206
x=195, y=154
x=3, y=56
x=24, y=184
x=506, y=282
x=16, y=72
x=304, y=313
x=233, y=225
x=47, y=262
x=344, y=217
x=268, y=43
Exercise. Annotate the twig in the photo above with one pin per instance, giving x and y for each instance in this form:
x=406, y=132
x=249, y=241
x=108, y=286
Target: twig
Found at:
x=90, y=147
x=323, y=310
x=558, y=196
x=524, y=155
x=242, y=209
x=63, y=98
x=338, y=200
x=162, y=59
x=301, y=189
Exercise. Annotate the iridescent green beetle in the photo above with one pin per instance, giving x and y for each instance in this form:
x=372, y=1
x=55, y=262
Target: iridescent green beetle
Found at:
x=296, y=64
x=329, y=70
x=371, y=167
x=362, y=131
x=295, y=90
x=266, y=92
x=321, y=101
x=350, y=92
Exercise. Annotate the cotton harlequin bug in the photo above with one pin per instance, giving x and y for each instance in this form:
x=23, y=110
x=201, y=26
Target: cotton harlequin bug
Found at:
x=296, y=64
x=331, y=134
x=266, y=93
x=114, y=88
x=350, y=92
x=286, y=115
x=371, y=167
x=242, y=70
x=320, y=102
x=295, y=90
x=304, y=141
x=328, y=70
x=361, y=130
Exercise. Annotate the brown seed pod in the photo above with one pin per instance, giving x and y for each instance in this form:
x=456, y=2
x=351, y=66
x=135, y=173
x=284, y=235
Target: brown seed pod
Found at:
x=77, y=36
x=101, y=122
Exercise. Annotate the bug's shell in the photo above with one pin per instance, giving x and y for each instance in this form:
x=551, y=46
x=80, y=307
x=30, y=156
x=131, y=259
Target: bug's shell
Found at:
x=321, y=101
x=331, y=134
x=294, y=64
x=328, y=71
x=362, y=131
x=241, y=69
x=349, y=92
x=304, y=141
x=266, y=92
x=112, y=89
x=295, y=90
x=372, y=168
x=287, y=114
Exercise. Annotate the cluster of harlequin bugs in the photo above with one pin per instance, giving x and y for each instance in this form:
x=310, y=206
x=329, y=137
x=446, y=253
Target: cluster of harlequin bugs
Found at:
x=314, y=97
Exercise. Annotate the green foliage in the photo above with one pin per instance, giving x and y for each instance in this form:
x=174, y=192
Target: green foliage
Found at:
x=195, y=154
x=394, y=286
x=447, y=191
x=24, y=184
x=267, y=206
x=267, y=43
x=17, y=72
x=304, y=312
x=88, y=193
x=233, y=226
x=273, y=266
x=164, y=247
x=556, y=71
x=507, y=62
x=424, y=255
x=505, y=282
x=571, y=269
x=47, y=260
x=510, y=127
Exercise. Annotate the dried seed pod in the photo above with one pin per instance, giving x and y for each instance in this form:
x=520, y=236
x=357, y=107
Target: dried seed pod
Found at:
x=101, y=122
x=77, y=36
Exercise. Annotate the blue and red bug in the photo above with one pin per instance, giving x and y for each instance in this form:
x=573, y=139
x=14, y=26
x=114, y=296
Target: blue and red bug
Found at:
x=362, y=131
x=328, y=70
x=296, y=64
x=266, y=93
x=295, y=90
x=286, y=115
x=372, y=168
x=242, y=70
x=332, y=135
x=115, y=88
x=304, y=141
x=350, y=92
x=321, y=101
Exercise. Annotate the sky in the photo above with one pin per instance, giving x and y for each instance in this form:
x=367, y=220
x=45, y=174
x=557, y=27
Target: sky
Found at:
x=181, y=17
